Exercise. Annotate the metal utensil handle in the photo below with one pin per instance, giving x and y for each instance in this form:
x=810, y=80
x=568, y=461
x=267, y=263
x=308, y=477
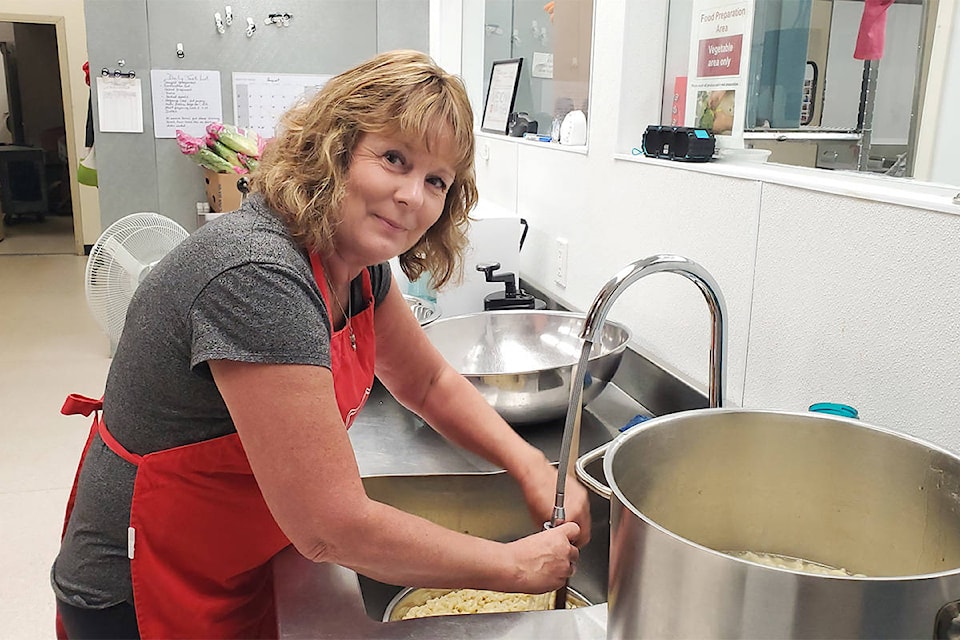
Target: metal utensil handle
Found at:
x=592, y=483
x=560, y=596
x=569, y=445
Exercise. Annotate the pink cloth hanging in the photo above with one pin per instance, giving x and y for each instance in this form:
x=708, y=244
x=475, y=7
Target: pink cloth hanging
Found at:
x=873, y=30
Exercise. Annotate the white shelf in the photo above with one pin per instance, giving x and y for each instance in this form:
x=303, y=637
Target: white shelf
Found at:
x=854, y=184
x=818, y=135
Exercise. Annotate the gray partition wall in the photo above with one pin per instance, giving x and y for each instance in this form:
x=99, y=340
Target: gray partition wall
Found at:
x=138, y=172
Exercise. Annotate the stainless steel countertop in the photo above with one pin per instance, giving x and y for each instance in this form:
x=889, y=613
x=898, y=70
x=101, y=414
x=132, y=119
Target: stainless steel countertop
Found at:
x=324, y=600
x=389, y=440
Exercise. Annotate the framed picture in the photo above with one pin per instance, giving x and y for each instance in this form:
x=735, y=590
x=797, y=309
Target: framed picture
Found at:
x=501, y=94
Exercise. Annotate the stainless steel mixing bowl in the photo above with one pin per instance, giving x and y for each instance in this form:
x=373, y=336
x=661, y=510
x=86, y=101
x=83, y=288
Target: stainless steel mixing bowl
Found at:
x=521, y=361
x=423, y=310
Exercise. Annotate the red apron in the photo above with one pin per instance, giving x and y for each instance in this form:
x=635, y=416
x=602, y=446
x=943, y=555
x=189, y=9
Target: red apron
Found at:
x=201, y=536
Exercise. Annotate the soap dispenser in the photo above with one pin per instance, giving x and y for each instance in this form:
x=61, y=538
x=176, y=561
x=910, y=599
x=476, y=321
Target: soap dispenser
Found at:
x=512, y=297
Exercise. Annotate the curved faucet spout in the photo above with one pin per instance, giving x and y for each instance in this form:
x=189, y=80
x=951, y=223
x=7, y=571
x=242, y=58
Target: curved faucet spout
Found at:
x=593, y=324
x=687, y=268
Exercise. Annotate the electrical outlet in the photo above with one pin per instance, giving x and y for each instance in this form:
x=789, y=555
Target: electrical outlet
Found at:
x=560, y=262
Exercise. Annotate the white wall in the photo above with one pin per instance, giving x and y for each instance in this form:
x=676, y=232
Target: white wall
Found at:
x=830, y=297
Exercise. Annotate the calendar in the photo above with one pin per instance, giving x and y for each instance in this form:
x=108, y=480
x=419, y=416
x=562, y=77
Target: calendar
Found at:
x=259, y=99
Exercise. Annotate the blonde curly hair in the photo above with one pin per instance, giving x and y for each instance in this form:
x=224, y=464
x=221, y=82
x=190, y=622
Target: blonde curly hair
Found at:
x=303, y=171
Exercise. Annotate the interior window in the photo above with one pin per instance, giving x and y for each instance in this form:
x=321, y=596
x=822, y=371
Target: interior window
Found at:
x=808, y=100
x=554, y=39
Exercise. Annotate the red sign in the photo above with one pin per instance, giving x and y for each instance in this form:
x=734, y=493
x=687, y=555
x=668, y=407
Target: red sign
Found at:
x=720, y=56
x=679, y=101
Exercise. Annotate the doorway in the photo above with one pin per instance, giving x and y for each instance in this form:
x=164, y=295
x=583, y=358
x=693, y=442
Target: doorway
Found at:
x=35, y=191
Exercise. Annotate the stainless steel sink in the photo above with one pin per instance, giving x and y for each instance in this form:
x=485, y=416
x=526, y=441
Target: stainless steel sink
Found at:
x=406, y=464
x=329, y=601
x=489, y=505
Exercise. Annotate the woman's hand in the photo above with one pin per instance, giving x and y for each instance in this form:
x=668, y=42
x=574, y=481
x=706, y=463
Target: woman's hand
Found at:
x=545, y=560
x=539, y=484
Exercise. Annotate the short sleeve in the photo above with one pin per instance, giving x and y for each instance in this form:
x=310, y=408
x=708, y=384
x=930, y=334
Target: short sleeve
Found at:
x=380, y=278
x=260, y=313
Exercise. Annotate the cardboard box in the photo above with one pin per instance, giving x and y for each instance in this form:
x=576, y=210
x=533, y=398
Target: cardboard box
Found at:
x=222, y=192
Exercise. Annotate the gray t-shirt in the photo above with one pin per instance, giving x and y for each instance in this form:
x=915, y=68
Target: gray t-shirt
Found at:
x=237, y=289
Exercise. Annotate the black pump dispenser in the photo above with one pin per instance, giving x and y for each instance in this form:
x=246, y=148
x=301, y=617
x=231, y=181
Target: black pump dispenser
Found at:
x=512, y=297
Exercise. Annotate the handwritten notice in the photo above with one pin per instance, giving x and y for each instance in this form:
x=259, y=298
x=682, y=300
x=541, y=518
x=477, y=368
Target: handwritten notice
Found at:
x=119, y=105
x=717, y=84
x=187, y=100
x=259, y=99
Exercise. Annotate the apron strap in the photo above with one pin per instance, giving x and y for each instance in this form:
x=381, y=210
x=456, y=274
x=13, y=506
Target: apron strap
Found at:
x=76, y=404
x=116, y=447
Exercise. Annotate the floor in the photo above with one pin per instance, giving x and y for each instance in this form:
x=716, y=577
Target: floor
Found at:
x=30, y=237
x=49, y=346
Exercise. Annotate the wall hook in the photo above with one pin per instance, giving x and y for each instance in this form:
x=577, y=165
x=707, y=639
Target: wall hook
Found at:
x=229, y=15
x=117, y=73
x=219, y=20
x=251, y=27
x=280, y=19
x=179, y=49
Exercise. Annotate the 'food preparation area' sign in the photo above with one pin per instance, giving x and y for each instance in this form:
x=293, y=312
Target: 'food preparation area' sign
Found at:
x=716, y=96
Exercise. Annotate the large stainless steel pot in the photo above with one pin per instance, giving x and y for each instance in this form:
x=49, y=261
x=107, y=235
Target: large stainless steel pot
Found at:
x=688, y=486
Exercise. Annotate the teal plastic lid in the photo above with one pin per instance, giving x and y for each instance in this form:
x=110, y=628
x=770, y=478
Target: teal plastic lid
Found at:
x=836, y=409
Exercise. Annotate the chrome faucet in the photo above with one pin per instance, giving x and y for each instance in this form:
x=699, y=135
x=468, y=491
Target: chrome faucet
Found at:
x=593, y=325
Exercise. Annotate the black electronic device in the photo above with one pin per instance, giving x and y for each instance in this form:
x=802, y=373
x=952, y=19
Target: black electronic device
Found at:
x=686, y=144
x=521, y=123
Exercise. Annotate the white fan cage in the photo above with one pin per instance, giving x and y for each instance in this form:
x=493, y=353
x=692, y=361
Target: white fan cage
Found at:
x=122, y=256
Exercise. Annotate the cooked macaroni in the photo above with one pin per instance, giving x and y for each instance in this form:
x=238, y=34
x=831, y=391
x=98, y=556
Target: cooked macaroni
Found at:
x=794, y=564
x=480, y=601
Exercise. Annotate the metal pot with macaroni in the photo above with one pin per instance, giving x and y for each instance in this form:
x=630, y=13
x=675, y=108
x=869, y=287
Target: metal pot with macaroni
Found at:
x=421, y=603
x=733, y=523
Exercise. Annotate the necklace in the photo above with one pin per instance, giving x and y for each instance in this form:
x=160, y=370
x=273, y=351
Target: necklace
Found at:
x=346, y=314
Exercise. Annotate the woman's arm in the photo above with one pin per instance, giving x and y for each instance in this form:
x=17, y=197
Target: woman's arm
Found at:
x=419, y=378
x=291, y=431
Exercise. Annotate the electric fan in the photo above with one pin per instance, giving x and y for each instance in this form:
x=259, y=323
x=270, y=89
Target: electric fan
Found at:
x=119, y=261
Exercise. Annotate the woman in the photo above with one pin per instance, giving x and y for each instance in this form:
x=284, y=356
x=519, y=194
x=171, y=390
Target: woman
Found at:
x=251, y=347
